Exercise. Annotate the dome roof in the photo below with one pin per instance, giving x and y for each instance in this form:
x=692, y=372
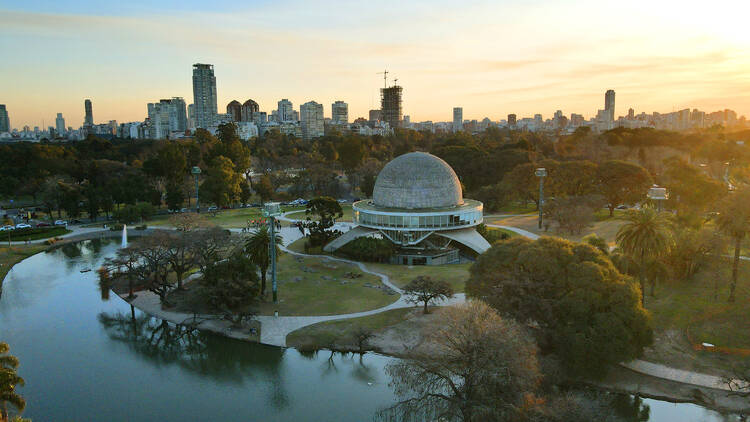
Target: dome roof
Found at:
x=417, y=180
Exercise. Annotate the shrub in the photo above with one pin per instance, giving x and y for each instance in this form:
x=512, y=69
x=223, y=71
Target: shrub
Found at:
x=368, y=249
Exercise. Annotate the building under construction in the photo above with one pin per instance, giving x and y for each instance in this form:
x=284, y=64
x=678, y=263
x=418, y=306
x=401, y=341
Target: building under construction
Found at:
x=390, y=105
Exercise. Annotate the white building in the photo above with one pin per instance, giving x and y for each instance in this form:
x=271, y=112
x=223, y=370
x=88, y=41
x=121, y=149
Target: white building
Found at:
x=60, y=125
x=166, y=117
x=340, y=113
x=247, y=130
x=311, y=120
x=458, y=119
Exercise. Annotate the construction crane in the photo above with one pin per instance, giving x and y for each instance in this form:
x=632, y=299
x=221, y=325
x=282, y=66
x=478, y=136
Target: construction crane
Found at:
x=385, y=77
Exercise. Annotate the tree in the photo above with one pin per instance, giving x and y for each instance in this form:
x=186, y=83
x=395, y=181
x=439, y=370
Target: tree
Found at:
x=258, y=247
x=126, y=263
x=572, y=213
x=9, y=380
x=479, y=367
x=230, y=285
x=208, y=245
x=424, y=289
x=154, y=266
x=585, y=311
x=327, y=210
x=691, y=191
x=644, y=237
x=264, y=188
x=222, y=185
x=179, y=253
x=621, y=182
x=175, y=196
x=597, y=241
x=734, y=220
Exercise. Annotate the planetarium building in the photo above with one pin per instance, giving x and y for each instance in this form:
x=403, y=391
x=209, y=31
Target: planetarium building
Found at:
x=418, y=204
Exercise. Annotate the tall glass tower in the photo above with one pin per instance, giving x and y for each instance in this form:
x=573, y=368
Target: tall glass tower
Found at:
x=204, y=95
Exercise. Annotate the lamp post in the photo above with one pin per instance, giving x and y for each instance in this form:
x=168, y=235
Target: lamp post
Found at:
x=271, y=210
x=541, y=173
x=196, y=172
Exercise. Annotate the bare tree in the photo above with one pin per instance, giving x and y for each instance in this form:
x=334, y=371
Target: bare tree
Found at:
x=424, y=289
x=208, y=245
x=475, y=367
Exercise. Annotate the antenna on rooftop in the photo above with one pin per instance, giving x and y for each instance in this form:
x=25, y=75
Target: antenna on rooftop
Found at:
x=385, y=77
x=395, y=81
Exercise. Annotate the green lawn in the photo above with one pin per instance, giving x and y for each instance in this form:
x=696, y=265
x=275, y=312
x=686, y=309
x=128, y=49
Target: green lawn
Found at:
x=318, y=286
x=342, y=334
x=307, y=286
x=34, y=233
x=14, y=255
x=691, y=305
x=603, y=226
x=516, y=207
x=400, y=275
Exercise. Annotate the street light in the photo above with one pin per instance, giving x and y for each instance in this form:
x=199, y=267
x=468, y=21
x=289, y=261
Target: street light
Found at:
x=271, y=210
x=541, y=173
x=196, y=172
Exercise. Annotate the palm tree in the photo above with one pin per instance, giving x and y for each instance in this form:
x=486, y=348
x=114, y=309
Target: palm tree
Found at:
x=9, y=379
x=644, y=237
x=258, y=246
x=734, y=220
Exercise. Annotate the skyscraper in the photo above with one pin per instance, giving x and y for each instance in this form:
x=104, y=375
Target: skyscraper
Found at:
x=311, y=120
x=234, y=109
x=390, y=105
x=88, y=121
x=4, y=119
x=60, y=124
x=340, y=113
x=458, y=119
x=285, y=111
x=609, y=104
x=204, y=95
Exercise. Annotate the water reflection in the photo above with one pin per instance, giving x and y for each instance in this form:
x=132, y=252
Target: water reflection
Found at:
x=206, y=354
x=630, y=408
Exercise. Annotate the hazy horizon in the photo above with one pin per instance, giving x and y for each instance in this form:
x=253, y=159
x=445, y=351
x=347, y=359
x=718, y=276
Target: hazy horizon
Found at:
x=491, y=58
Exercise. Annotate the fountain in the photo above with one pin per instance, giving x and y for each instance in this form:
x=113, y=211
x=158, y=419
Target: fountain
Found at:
x=124, y=235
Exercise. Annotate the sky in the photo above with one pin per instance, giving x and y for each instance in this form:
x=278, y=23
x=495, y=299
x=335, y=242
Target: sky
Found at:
x=490, y=57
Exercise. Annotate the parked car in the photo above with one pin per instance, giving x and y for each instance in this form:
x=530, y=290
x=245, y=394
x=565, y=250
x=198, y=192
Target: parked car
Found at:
x=76, y=221
x=23, y=226
x=212, y=208
x=183, y=210
x=61, y=223
x=6, y=228
x=42, y=224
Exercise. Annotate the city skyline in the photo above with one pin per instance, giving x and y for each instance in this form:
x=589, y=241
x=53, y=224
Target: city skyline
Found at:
x=495, y=63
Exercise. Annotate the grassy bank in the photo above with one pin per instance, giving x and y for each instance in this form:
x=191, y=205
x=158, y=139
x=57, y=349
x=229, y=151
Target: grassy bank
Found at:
x=307, y=286
x=14, y=255
x=21, y=235
x=343, y=334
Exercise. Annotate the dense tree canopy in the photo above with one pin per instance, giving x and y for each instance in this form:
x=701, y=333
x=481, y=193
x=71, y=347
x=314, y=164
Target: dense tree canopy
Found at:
x=588, y=313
